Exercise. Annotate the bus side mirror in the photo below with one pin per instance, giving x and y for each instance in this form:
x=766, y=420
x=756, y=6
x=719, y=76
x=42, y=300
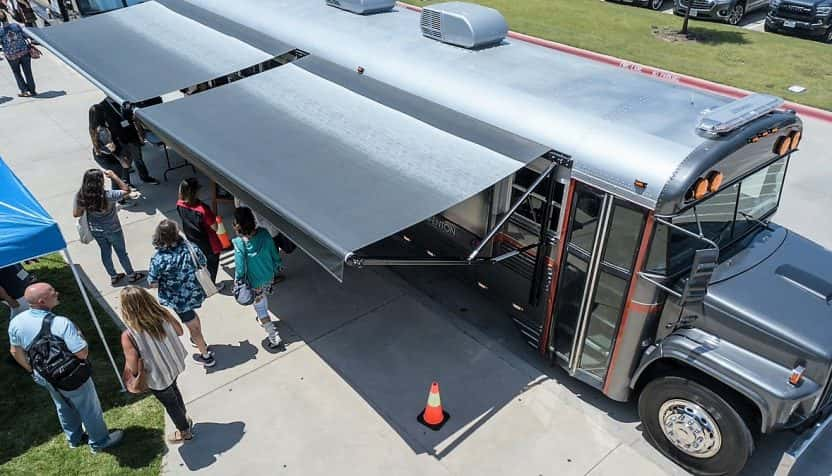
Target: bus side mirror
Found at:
x=704, y=264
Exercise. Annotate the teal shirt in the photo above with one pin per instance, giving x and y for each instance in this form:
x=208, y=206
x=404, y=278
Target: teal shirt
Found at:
x=256, y=259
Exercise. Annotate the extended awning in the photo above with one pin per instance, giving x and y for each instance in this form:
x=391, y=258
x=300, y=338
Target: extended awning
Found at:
x=148, y=50
x=336, y=160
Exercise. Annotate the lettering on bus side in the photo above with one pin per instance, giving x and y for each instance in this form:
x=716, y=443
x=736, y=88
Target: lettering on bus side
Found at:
x=442, y=225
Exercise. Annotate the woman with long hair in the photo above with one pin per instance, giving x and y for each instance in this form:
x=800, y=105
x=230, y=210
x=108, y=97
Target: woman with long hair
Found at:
x=172, y=270
x=151, y=345
x=100, y=206
x=199, y=224
x=256, y=261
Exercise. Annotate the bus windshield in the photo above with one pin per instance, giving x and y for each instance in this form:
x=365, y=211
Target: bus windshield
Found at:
x=723, y=218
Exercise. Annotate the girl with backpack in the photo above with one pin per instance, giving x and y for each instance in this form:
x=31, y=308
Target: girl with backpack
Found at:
x=256, y=262
x=153, y=352
x=100, y=206
x=173, y=270
x=18, y=52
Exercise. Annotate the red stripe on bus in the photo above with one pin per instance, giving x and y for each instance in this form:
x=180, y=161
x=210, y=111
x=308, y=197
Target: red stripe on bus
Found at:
x=631, y=306
x=550, y=302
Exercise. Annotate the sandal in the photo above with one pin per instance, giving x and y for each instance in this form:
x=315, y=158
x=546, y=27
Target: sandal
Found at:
x=135, y=277
x=115, y=279
x=180, y=436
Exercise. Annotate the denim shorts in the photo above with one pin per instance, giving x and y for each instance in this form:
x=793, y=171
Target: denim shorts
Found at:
x=186, y=316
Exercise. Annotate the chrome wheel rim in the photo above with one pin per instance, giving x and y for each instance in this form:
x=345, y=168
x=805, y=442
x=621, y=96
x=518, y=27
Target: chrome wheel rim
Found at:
x=657, y=4
x=690, y=428
x=736, y=15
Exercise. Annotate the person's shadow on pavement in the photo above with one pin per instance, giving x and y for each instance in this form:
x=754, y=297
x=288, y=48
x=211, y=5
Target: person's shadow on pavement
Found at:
x=229, y=356
x=4, y=99
x=210, y=441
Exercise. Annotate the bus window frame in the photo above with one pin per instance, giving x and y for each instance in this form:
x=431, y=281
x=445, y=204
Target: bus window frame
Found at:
x=759, y=221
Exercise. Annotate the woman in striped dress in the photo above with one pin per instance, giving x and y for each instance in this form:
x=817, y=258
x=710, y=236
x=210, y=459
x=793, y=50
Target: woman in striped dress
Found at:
x=152, y=335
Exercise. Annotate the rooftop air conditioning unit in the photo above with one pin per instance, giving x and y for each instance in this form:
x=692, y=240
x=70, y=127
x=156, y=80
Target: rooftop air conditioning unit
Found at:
x=464, y=24
x=362, y=7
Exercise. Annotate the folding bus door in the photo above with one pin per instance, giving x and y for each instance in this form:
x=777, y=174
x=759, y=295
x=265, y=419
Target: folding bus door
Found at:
x=603, y=236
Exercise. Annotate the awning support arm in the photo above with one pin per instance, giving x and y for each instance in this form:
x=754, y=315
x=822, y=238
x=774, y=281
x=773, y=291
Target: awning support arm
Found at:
x=358, y=261
x=513, y=209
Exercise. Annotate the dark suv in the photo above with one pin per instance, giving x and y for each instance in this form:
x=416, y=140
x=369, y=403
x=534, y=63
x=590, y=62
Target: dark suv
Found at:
x=729, y=11
x=808, y=17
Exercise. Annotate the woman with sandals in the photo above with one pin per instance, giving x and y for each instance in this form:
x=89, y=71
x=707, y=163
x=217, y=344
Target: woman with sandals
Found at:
x=153, y=355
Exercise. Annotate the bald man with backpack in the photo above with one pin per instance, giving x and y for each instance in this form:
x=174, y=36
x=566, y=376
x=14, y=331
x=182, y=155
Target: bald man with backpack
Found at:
x=54, y=352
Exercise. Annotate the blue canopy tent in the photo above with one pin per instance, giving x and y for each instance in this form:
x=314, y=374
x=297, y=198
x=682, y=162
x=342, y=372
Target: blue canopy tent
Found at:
x=27, y=231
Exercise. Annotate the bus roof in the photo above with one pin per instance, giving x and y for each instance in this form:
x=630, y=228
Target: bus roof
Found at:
x=617, y=126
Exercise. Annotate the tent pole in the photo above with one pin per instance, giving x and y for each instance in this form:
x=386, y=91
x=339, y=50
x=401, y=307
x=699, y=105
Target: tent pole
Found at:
x=94, y=318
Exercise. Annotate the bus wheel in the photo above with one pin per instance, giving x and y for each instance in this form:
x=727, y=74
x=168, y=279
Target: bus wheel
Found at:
x=694, y=426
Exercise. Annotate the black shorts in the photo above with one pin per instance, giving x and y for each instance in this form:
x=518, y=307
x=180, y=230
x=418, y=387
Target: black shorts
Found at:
x=186, y=316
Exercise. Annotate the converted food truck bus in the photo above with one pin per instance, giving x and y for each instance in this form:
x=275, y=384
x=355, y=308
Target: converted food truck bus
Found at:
x=633, y=248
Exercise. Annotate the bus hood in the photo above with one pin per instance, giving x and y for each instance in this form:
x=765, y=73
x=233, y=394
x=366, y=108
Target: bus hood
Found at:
x=775, y=298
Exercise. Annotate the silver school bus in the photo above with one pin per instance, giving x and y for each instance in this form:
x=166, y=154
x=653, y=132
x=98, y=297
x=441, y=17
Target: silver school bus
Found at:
x=639, y=256
x=635, y=251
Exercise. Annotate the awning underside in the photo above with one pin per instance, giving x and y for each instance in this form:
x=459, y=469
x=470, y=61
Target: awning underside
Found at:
x=332, y=168
x=148, y=50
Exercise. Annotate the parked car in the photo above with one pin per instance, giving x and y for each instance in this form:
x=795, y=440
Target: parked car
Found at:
x=59, y=11
x=729, y=11
x=652, y=4
x=807, y=17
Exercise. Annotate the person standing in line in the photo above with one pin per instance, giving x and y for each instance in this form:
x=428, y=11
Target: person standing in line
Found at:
x=27, y=15
x=12, y=288
x=16, y=49
x=78, y=409
x=199, y=224
x=256, y=261
x=152, y=336
x=172, y=270
x=99, y=205
x=124, y=134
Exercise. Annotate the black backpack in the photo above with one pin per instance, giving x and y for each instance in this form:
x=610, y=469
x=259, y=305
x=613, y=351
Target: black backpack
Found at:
x=51, y=358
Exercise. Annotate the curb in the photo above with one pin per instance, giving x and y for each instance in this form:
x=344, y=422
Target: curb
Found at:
x=656, y=73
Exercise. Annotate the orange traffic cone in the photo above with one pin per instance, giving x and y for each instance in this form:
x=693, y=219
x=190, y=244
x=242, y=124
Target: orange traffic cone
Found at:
x=433, y=417
x=222, y=234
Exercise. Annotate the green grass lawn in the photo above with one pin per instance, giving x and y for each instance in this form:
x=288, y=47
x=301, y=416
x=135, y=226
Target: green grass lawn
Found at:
x=761, y=62
x=31, y=441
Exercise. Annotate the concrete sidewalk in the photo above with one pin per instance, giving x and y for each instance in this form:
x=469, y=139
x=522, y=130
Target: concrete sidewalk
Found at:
x=344, y=395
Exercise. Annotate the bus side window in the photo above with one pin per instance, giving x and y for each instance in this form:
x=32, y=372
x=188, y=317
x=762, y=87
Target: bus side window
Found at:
x=533, y=206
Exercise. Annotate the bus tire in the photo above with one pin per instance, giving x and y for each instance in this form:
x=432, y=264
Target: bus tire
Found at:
x=694, y=426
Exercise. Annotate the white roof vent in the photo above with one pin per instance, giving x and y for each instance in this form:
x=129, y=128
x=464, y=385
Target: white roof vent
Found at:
x=464, y=24
x=362, y=7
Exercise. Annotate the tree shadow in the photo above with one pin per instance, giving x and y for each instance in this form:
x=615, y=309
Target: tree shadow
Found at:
x=210, y=440
x=718, y=37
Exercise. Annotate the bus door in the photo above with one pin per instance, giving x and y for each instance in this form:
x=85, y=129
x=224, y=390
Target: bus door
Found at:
x=603, y=234
x=513, y=281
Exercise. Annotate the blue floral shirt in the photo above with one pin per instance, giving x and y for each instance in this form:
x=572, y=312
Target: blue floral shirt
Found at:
x=173, y=270
x=14, y=41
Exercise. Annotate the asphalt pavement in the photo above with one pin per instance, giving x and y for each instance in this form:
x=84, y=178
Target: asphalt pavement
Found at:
x=344, y=395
